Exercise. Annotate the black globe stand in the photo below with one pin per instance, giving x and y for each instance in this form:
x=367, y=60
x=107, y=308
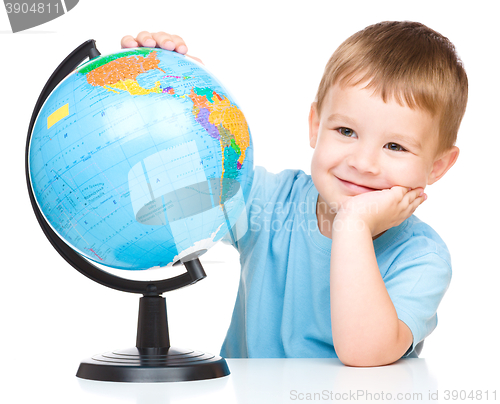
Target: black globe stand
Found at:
x=152, y=359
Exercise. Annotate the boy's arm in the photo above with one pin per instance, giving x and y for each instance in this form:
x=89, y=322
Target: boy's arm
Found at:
x=365, y=326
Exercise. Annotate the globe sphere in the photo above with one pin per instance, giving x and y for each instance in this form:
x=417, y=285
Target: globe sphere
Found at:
x=141, y=158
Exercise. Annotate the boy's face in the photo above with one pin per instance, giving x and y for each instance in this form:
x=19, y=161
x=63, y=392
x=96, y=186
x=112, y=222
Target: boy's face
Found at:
x=363, y=144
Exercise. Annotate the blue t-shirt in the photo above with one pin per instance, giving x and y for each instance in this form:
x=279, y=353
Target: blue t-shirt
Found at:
x=282, y=308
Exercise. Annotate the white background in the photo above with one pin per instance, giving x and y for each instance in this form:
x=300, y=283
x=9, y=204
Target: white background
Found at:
x=270, y=55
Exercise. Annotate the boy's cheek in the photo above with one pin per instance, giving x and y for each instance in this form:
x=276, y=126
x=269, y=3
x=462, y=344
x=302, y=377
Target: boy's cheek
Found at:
x=408, y=181
x=315, y=169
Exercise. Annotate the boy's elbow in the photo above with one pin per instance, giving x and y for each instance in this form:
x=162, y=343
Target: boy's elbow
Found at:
x=363, y=361
x=372, y=351
x=357, y=357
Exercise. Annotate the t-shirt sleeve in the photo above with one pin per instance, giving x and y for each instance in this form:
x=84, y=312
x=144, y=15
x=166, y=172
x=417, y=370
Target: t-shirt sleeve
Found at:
x=416, y=287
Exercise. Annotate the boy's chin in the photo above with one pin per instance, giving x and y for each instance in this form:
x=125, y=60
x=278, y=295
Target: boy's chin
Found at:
x=331, y=205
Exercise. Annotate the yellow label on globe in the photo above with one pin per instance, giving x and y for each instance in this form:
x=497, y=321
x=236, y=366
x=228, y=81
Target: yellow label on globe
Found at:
x=57, y=115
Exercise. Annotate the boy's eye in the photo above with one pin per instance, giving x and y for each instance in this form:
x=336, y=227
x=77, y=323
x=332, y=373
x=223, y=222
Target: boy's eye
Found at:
x=350, y=133
x=395, y=147
x=346, y=132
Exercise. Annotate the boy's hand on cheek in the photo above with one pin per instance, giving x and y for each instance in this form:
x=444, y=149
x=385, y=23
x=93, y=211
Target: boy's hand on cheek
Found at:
x=381, y=210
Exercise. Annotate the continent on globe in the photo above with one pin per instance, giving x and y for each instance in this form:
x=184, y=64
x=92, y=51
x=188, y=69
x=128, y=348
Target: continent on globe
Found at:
x=121, y=72
x=222, y=120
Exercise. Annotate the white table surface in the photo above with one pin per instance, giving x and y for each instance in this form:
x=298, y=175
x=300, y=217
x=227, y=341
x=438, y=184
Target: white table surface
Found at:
x=273, y=381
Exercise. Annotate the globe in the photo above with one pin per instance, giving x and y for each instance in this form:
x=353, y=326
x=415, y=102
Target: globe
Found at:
x=140, y=159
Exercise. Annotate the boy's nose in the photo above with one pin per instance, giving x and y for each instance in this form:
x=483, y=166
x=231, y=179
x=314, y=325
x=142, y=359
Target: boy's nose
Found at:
x=364, y=160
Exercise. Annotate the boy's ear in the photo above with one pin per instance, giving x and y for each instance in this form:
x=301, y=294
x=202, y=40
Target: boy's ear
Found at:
x=443, y=164
x=313, y=125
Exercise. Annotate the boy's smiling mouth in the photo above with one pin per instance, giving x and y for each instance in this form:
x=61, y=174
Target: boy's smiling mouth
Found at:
x=355, y=187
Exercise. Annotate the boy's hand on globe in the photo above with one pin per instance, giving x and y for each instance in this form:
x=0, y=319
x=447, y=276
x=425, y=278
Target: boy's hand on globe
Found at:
x=157, y=40
x=152, y=40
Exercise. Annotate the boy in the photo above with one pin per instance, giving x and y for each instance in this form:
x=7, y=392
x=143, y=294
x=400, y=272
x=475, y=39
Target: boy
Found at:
x=335, y=264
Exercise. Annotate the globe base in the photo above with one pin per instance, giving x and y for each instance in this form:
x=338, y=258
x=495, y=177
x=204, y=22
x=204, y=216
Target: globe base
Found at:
x=147, y=365
x=153, y=359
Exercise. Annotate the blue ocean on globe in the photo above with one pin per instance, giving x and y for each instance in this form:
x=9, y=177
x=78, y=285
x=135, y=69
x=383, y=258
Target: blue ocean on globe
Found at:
x=141, y=158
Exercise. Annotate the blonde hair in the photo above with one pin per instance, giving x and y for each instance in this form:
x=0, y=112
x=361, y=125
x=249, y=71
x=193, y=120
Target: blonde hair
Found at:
x=409, y=62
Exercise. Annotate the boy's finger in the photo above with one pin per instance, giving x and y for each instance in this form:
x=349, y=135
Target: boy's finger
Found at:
x=128, y=41
x=400, y=189
x=164, y=40
x=418, y=194
x=418, y=200
x=144, y=38
x=419, y=191
x=415, y=191
x=170, y=42
x=180, y=45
